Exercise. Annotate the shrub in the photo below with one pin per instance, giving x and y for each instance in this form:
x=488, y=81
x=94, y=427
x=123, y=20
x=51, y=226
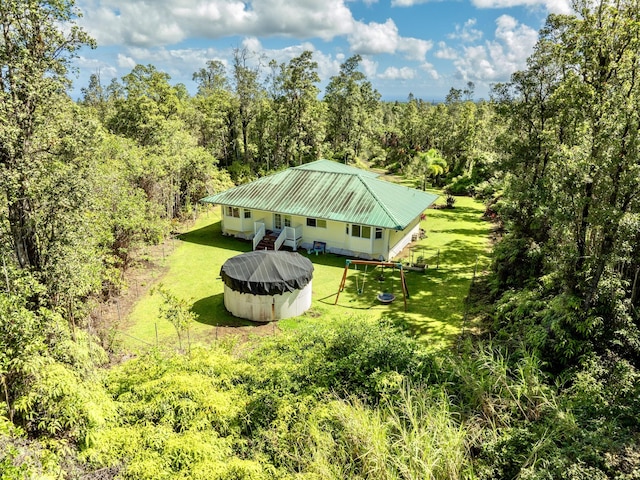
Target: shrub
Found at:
x=461, y=185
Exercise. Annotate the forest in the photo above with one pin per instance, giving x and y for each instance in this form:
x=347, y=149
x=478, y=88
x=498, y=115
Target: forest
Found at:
x=550, y=386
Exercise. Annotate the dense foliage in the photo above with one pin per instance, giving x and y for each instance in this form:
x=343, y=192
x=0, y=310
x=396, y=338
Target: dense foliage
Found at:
x=554, y=393
x=571, y=201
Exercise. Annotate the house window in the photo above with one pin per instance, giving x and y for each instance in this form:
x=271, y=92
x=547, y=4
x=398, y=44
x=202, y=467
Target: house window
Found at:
x=278, y=223
x=361, y=231
x=247, y=213
x=233, y=212
x=378, y=233
x=316, y=223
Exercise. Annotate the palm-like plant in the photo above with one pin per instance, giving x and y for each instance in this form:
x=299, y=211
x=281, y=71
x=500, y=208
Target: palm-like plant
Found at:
x=425, y=165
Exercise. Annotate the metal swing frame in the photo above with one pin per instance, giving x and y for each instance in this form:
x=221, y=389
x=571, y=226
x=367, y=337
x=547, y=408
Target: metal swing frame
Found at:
x=349, y=262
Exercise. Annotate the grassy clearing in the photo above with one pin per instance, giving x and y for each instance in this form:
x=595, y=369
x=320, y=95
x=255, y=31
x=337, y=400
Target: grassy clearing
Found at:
x=435, y=307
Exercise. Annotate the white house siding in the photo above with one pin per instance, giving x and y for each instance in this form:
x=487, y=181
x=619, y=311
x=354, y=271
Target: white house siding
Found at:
x=334, y=235
x=238, y=227
x=400, y=239
x=380, y=251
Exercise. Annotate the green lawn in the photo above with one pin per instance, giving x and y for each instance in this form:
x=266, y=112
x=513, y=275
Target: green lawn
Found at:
x=435, y=307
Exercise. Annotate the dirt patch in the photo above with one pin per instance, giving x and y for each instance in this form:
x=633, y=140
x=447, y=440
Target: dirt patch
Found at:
x=111, y=315
x=243, y=334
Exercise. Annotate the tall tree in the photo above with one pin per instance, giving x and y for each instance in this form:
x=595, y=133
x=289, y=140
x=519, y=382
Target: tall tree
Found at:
x=248, y=94
x=216, y=107
x=144, y=104
x=575, y=163
x=351, y=102
x=295, y=100
x=213, y=78
x=38, y=40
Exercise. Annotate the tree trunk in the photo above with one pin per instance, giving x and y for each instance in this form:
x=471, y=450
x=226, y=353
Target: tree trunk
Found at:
x=23, y=233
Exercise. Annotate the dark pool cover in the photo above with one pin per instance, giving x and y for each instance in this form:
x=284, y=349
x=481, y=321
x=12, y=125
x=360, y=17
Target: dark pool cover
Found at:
x=267, y=272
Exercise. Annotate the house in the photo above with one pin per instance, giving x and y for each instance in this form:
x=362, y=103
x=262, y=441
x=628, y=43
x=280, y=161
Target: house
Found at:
x=350, y=210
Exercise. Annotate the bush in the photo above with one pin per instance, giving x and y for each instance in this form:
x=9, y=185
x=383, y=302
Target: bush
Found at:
x=461, y=185
x=517, y=262
x=451, y=201
x=353, y=356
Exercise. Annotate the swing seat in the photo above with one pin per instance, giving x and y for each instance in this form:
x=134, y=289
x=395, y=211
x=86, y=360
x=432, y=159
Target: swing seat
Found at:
x=386, y=297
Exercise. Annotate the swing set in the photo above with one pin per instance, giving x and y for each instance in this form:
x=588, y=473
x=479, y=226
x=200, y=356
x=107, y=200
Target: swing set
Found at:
x=383, y=297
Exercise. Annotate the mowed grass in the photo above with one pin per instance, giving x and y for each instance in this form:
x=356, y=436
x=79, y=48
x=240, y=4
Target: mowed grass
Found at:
x=435, y=307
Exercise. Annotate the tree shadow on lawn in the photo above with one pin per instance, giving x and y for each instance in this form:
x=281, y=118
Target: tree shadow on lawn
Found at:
x=211, y=311
x=456, y=214
x=467, y=232
x=458, y=254
x=211, y=235
x=435, y=306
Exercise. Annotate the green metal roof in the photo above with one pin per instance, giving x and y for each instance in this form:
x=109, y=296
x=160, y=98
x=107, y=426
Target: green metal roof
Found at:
x=331, y=191
x=335, y=167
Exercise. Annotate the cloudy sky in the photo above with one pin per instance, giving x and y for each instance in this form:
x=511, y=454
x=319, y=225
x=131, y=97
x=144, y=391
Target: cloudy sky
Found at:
x=423, y=47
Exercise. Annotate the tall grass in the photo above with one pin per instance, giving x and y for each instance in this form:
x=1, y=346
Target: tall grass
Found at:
x=413, y=436
x=426, y=439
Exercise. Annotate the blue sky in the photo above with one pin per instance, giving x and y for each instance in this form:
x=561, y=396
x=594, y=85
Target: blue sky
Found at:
x=423, y=47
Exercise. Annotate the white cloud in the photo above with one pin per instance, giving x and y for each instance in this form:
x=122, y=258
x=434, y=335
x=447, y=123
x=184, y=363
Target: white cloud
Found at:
x=394, y=73
x=553, y=6
x=445, y=52
x=369, y=67
x=126, y=62
x=407, y=3
x=414, y=48
x=93, y=65
x=166, y=22
x=430, y=69
x=252, y=44
x=466, y=33
x=497, y=59
x=374, y=38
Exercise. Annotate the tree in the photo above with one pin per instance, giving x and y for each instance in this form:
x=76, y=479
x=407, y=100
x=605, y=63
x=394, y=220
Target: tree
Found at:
x=144, y=104
x=95, y=96
x=295, y=102
x=248, y=94
x=351, y=102
x=177, y=311
x=426, y=165
x=38, y=40
x=213, y=78
x=216, y=107
x=572, y=192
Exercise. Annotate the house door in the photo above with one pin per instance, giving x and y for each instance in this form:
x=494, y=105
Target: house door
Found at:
x=281, y=221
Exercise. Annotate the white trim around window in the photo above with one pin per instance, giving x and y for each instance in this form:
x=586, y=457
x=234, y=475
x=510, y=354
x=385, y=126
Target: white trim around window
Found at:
x=316, y=222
